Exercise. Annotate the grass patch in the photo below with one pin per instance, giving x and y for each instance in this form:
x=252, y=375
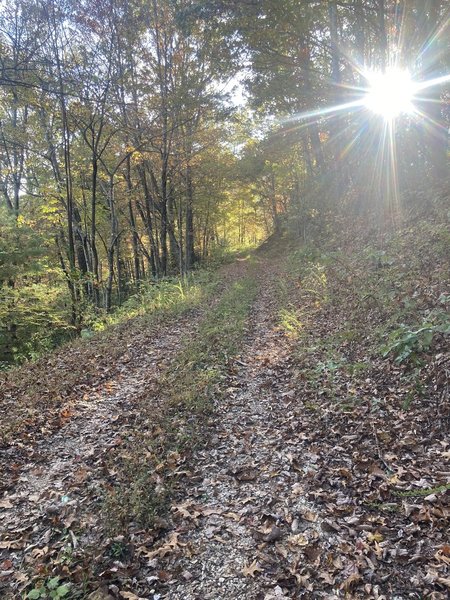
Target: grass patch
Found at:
x=147, y=473
x=203, y=361
x=169, y=296
x=290, y=322
x=440, y=489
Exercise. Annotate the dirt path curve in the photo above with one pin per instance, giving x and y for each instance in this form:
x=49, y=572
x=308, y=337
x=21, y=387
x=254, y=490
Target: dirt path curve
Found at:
x=247, y=514
x=67, y=468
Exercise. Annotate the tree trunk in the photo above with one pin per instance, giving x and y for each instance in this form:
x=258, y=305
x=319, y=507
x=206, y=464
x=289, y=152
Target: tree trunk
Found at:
x=432, y=105
x=189, y=254
x=336, y=127
x=134, y=234
x=112, y=246
x=382, y=31
x=93, y=242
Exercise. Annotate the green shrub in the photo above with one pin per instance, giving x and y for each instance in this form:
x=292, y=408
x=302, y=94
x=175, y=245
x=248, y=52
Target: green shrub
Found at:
x=406, y=343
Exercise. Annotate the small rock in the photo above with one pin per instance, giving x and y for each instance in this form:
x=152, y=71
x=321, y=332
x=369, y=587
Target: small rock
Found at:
x=274, y=535
x=295, y=526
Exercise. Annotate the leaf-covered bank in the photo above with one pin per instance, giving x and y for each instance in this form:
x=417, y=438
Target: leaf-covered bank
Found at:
x=367, y=314
x=39, y=393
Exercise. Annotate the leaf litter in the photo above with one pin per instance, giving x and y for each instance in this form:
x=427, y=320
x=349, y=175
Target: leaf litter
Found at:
x=343, y=498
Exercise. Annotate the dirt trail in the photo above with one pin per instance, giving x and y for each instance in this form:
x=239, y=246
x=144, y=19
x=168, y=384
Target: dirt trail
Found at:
x=248, y=509
x=67, y=468
x=287, y=500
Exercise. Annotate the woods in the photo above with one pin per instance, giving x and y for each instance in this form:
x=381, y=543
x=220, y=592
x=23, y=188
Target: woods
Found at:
x=115, y=160
x=224, y=299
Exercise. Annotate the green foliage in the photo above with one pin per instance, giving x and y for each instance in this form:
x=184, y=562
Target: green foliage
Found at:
x=301, y=257
x=34, y=315
x=21, y=248
x=315, y=282
x=442, y=240
x=160, y=297
x=308, y=271
x=290, y=322
x=33, y=297
x=51, y=588
x=440, y=489
x=378, y=258
x=118, y=549
x=406, y=343
x=32, y=320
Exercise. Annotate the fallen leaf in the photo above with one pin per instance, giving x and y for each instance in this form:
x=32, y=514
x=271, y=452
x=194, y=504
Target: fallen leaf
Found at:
x=100, y=594
x=298, y=540
x=186, y=511
x=6, y=565
x=80, y=475
x=442, y=557
x=276, y=594
x=206, y=512
x=66, y=413
x=375, y=537
x=131, y=596
x=351, y=582
x=251, y=570
x=11, y=545
x=326, y=577
x=167, y=548
x=232, y=515
x=38, y=552
x=308, y=515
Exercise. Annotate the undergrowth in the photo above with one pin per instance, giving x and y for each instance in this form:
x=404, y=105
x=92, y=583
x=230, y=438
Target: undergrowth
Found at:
x=370, y=297
x=167, y=296
x=51, y=331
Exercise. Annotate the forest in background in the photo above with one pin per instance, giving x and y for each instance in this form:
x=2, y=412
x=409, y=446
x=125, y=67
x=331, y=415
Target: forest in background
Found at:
x=140, y=138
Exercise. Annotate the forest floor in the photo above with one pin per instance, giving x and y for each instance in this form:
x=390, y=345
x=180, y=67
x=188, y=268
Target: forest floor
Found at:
x=286, y=438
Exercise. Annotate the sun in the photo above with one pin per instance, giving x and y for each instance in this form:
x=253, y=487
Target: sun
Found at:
x=390, y=93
